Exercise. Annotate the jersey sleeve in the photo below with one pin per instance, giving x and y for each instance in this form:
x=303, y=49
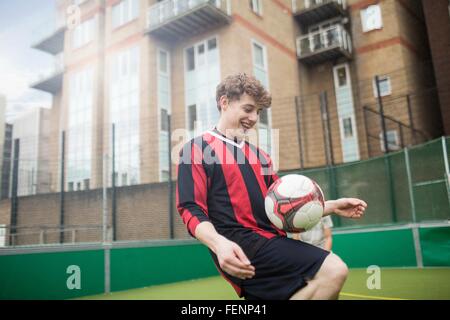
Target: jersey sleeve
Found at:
x=191, y=187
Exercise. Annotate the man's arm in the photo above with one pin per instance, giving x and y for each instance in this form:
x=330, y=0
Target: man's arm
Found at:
x=345, y=207
x=231, y=257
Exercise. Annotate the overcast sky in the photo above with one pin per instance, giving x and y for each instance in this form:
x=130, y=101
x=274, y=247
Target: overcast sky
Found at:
x=20, y=65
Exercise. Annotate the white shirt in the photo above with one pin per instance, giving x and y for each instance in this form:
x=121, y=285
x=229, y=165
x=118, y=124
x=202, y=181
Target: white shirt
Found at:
x=316, y=236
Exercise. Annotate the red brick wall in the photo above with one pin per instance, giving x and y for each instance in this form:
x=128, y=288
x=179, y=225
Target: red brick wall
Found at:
x=438, y=25
x=142, y=214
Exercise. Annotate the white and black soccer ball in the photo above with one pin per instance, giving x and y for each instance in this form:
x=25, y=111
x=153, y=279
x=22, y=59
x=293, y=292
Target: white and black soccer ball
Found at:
x=294, y=203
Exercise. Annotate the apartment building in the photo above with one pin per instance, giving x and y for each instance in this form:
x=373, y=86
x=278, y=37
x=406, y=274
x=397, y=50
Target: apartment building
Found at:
x=130, y=63
x=31, y=135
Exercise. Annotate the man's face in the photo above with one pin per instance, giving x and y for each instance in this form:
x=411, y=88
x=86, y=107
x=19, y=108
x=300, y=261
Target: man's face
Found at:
x=240, y=115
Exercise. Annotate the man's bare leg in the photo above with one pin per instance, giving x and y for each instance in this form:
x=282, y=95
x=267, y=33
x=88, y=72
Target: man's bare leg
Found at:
x=327, y=283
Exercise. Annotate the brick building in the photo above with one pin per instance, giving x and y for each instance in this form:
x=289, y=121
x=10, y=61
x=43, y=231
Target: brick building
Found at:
x=132, y=62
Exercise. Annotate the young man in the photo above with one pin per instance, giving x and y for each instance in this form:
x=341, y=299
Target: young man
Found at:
x=319, y=236
x=222, y=182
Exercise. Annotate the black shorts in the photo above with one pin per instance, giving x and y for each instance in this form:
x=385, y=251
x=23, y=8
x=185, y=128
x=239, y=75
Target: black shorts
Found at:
x=282, y=267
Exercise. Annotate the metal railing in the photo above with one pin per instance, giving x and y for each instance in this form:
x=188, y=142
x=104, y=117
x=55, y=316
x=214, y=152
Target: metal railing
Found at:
x=47, y=29
x=300, y=5
x=25, y=236
x=55, y=69
x=168, y=9
x=334, y=36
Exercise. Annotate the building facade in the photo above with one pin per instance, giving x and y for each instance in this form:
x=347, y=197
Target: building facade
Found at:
x=127, y=64
x=437, y=18
x=31, y=134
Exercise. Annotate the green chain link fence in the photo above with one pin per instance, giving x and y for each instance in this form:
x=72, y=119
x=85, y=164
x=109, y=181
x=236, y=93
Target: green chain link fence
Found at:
x=411, y=185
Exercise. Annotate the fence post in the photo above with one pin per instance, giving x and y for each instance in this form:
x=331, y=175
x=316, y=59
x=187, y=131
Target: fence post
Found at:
x=381, y=110
x=387, y=163
x=326, y=127
x=415, y=226
x=298, y=112
x=14, y=198
x=113, y=196
x=334, y=193
x=105, y=199
x=366, y=129
x=171, y=229
x=61, y=192
x=411, y=121
x=447, y=170
x=410, y=186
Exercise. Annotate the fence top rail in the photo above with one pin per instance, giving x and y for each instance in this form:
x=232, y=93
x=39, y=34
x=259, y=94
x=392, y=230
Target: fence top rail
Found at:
x=91, y=246
x=390, y=154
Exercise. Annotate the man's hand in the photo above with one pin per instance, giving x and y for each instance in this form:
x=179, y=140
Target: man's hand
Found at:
x=233, y=260
x=230, y=255
x=346, y=207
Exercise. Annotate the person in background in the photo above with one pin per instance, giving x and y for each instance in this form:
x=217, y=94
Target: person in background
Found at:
x=319, y=236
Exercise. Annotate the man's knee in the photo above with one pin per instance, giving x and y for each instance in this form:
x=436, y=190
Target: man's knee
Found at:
x=334, y=269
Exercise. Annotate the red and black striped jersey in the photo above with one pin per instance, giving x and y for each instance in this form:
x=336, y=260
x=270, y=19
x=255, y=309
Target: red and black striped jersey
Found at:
x=225, y=182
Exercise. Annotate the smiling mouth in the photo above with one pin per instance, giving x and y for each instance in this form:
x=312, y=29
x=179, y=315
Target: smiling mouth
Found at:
x=246, y=126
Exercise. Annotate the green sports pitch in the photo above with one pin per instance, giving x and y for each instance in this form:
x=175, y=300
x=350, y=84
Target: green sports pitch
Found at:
x=394, y=284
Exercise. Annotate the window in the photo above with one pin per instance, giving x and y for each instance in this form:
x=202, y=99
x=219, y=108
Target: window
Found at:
x=371, y=18
x=79, y=133
x=164, y=107
x=348, y=127
x=202, y=75
x=256, y=6
x=124, y=12
x=192, y=115
x=86, y=184
x=342, y=77
x=261, y=73
x=83, y=33
x=392, y=139
x=164, y=120
x=163, y=61
x=70, y=186
x=190, y=59
x=165, y=175
x=259, y=63
x=384, y=83
x=125, y=112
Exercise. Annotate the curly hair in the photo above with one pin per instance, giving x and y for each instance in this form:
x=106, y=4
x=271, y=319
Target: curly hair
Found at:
x=234, y=86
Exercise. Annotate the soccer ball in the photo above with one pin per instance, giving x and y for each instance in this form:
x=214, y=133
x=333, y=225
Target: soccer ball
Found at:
x=294, y=203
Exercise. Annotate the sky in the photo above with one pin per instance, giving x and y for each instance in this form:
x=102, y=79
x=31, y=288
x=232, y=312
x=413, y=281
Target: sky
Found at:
x=21, y=65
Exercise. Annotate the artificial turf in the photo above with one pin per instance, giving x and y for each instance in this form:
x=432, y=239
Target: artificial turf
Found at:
x=415, y=284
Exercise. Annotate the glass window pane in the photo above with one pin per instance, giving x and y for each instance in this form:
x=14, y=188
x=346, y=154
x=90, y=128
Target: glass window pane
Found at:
x=163, y=61
x=190, y=59
x=342, y=76
x=212, y=44
x=259, y=55
x=348, y=129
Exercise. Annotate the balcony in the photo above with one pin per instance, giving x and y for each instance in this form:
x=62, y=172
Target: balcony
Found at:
x=51, y=81
x=326, y=44
x=178, y=19
x=309, y=12
x=50, y=37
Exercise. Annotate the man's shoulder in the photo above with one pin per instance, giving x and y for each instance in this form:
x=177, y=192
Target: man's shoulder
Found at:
x=200, y=141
